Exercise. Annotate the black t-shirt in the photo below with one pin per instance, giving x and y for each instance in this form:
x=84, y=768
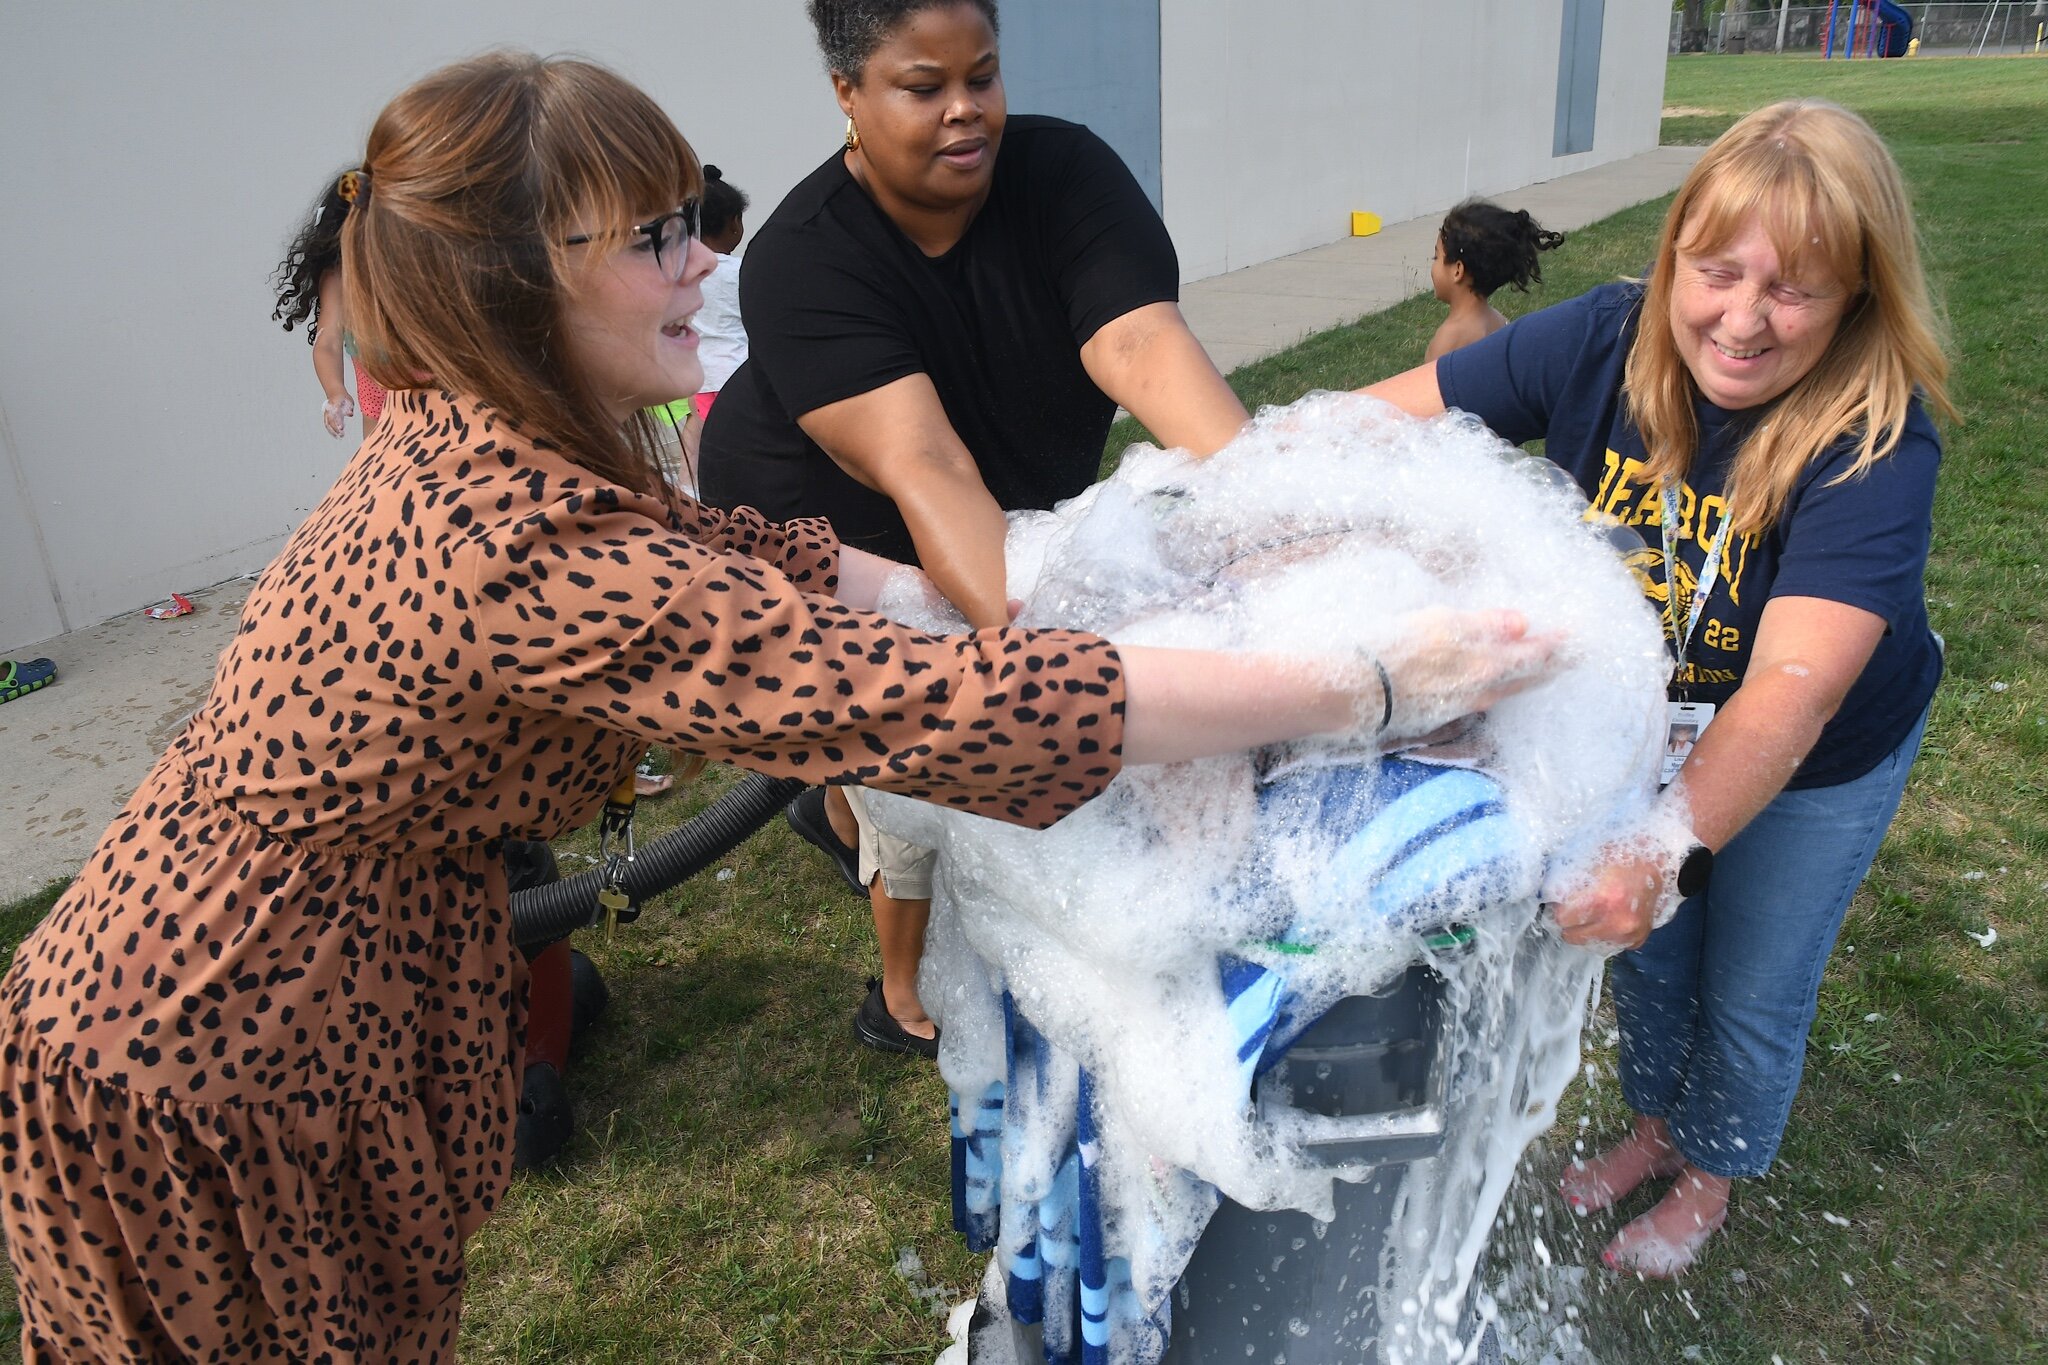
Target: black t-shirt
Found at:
x=1862, y=541
x=839, y=302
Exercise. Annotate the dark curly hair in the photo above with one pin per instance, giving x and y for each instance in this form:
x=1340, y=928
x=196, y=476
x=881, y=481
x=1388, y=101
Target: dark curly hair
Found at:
x=314, y=252
x=849, y=31
x=723, y=202
x=1496, y=246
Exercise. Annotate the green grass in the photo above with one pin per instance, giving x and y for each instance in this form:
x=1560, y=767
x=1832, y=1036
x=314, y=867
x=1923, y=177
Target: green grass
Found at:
x=744, y=1175
x=1923, y=1119
x=18, y=917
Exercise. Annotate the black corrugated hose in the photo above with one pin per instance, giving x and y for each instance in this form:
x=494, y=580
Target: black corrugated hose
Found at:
x=543, y=914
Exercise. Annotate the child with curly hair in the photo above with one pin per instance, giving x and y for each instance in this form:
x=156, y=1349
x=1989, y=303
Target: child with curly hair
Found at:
x=1480, y=247
x=308, y=285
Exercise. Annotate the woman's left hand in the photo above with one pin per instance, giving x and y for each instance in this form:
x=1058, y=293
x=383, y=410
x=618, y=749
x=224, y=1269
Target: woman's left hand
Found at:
x=1617, y=905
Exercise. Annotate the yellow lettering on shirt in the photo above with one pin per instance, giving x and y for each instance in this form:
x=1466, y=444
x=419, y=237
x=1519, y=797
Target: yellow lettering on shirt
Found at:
x=1722, y=637
x=1625, y=495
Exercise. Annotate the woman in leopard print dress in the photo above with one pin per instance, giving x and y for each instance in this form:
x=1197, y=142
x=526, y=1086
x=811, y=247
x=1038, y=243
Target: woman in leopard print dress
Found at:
x=258, y=1067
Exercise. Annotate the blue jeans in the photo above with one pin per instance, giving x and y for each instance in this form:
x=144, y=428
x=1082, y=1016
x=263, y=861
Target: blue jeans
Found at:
x=1715, y=1007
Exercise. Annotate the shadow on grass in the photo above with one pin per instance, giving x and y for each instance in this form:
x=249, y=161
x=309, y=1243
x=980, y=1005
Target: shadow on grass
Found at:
x=18, y=917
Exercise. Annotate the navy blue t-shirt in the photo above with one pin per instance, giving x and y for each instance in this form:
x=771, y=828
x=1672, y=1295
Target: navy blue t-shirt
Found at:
x=1557, y=374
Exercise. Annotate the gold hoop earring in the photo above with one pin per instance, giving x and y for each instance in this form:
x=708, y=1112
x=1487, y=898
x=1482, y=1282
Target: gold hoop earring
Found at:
x=852, y=135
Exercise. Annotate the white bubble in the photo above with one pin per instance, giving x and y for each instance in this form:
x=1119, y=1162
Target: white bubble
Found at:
x=1314, y=533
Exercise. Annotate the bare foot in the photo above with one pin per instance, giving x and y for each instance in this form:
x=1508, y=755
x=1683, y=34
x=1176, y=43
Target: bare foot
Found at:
x=1645, y=1154
x=1665, y=1241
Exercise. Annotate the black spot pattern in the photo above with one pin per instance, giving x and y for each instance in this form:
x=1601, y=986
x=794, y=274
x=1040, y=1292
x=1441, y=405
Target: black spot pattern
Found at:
x=258, y=1067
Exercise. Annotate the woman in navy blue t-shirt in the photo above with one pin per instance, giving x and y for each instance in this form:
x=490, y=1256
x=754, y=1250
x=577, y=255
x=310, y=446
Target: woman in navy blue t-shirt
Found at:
x=1756, y=406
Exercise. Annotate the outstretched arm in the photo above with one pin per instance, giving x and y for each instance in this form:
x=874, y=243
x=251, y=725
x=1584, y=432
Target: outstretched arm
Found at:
x=1148, y=361
x=1414, y=391
x=1809, y=653
x=1443, y=664
x=897, y=440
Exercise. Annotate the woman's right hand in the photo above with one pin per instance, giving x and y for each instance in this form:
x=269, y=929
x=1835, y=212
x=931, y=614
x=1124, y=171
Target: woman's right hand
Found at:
x=1182, y=704
x=1445, y=664
x=335, y=412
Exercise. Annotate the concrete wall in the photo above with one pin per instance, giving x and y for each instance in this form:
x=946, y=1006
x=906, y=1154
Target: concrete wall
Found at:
x=1092, y=61
x=1278, y=120
x=157, y=430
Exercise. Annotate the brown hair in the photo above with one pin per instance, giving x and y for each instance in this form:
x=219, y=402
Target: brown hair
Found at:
x=452, y=261
x=1827, y=191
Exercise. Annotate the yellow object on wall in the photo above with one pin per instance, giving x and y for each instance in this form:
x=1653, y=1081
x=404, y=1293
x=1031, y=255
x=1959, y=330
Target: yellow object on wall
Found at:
x=1364, y=224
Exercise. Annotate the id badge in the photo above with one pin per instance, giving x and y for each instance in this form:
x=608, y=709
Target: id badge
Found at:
x=1687, y=721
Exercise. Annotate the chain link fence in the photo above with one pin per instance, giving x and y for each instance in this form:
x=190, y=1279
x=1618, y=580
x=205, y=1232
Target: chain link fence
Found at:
x=1949, y=30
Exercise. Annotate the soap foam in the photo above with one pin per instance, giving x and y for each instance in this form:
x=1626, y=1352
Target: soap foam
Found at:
x=1313, y=533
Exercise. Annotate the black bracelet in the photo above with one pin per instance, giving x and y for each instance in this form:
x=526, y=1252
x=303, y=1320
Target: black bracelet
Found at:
x=1387, y=692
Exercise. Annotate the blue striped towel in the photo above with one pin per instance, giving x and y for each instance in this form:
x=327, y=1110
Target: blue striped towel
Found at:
x=1025, y=1153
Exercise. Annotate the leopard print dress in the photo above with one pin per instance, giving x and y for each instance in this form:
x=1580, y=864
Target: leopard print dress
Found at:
x=258, y=1067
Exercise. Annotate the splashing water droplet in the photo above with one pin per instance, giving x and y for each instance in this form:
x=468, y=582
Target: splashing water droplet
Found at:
x=1107, y=929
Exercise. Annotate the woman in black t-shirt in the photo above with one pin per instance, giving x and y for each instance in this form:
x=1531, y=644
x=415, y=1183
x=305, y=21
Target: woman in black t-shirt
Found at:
x=943, y=319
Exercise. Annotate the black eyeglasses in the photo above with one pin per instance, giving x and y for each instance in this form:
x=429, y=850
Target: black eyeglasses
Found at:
x=669, y=236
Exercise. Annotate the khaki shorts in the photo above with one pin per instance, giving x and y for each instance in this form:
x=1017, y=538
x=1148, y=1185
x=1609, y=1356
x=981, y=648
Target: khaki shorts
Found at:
x=905, y=869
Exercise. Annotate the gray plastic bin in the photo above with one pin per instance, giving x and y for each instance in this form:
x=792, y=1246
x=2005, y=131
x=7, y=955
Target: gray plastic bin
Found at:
x=1270, y=1286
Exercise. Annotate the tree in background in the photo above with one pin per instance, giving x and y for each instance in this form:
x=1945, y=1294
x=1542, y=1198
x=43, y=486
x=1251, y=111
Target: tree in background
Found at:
x=1692, y=29
x=1735, y=26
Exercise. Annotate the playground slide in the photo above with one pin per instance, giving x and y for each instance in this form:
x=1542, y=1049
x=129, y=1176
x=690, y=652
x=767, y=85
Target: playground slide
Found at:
x=1898, y=28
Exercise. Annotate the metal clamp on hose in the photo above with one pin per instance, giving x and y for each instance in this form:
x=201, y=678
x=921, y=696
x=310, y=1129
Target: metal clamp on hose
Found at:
x=615, y=833
x=543, y=914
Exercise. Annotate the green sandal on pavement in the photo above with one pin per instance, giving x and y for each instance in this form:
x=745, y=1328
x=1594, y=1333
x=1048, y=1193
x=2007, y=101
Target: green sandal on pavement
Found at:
x=18, y=679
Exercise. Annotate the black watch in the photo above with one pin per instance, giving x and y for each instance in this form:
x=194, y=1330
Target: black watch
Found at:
x=1693, y=870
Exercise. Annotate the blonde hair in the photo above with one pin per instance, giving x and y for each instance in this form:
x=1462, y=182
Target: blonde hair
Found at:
x=453, y=256
x=1827, y=191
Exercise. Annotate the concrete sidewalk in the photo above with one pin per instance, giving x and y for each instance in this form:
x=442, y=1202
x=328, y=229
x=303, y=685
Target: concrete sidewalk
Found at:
x=1251, y=313
x=73, y=752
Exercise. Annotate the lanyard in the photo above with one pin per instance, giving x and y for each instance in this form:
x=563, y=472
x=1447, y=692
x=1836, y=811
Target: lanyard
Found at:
x=1710, y=572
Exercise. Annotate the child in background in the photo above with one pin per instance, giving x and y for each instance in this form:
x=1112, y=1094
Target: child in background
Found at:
x=723, y=337
x=308, y=285
x=1481, y=247
x=721, y=348
x=718, y=323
